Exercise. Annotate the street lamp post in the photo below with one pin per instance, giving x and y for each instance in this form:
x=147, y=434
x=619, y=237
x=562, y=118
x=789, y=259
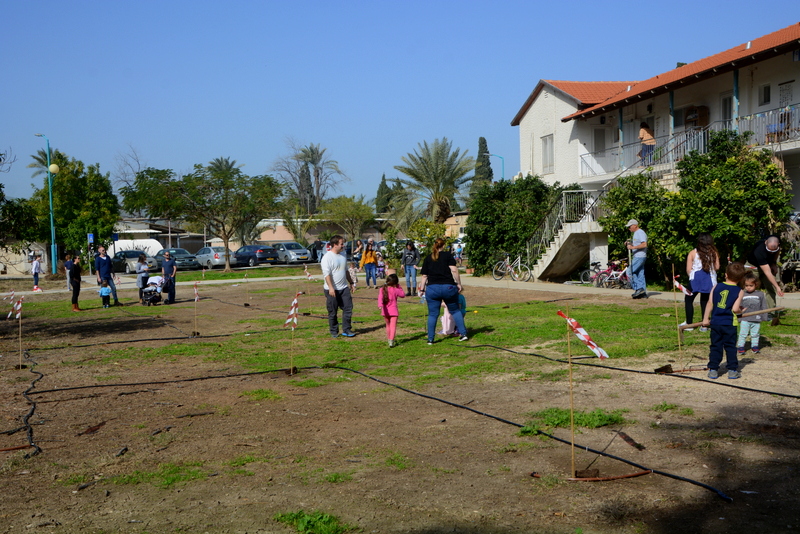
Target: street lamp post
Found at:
x=502, y=161
x=51, y=170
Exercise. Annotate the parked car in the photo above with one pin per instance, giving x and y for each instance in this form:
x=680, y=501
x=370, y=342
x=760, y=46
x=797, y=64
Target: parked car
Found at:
x=292, y=252
x=252, y=255
x=183, y=258
x=211, y=257
x=126, y=260
x=316, y=255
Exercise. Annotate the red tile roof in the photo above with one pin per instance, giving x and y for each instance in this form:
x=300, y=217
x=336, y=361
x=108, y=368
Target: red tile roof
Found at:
x=585, y=93
x=770, y=45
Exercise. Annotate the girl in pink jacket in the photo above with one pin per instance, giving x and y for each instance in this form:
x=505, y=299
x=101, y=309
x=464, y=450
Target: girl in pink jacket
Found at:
x=387, y=304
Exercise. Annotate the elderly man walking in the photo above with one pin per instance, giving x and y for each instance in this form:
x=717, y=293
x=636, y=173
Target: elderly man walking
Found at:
x=637, y=245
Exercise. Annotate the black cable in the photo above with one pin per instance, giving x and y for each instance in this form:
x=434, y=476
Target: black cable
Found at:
x=25, y=420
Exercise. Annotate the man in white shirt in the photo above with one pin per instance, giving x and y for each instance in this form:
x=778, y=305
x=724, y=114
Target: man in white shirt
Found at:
x=337, y=288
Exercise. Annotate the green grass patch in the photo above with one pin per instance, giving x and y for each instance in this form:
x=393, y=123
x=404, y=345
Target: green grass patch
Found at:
x=559, y=418
x=261, y=394
x=686, y=411
x=315, y=522
x=167, y=475
x=335, y=478
x=74, y=480
x=398, y=461
x=663, y=407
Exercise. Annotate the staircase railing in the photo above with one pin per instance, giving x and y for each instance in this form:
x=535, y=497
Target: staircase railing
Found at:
x=570, y=206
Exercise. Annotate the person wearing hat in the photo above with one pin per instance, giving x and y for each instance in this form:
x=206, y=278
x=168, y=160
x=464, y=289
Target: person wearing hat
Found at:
x=765, y=256
x=637, y=245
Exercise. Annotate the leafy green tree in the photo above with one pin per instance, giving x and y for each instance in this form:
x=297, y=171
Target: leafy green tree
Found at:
x=220, y=197
x=426, y=232
x=383, y=197
x=435, y=173
x=83, y=202
x=483, y=168
x=350, y=213
x=297, y=221
x=18, y=223
x=734, y=192
x=503, y=217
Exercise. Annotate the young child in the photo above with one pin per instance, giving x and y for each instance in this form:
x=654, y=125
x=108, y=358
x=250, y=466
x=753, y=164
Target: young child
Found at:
x=752, y=301
x=105, y=293
x=387, y=304
x=381, y=266
x=448, y=325
x=36, y=270
x=725, y=302
x=353, y=270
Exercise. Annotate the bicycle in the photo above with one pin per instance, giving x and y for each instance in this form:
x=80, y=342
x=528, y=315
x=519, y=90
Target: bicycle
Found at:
x=588, y=276
x=517, y=270
x=618, y=278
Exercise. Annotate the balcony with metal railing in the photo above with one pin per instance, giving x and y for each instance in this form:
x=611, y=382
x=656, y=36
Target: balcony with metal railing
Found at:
x=768, y=128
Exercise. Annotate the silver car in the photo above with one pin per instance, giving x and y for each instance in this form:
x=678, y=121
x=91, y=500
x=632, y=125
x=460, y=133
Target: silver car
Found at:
x=126, y=260
x=211, y=257
x=292, y=252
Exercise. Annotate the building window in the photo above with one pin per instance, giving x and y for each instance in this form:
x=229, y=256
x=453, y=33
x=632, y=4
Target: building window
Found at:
x=547, y=154
x=764, y=95
x=677, y=117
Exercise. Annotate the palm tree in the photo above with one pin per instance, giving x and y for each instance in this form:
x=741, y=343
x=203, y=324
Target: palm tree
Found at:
x=325, y=173
x=435, y=175
x=223, y=165
x=40, y=161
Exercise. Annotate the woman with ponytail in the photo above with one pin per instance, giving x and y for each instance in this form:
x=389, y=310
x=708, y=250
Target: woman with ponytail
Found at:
x=441, y=283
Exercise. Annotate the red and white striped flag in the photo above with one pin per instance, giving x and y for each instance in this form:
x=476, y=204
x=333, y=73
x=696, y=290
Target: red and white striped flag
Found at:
x=16, y=308
x=10, y=296
x=583, y=335
x=678, y=285
x=196, y=294
x=292, y=319
x=308, y=274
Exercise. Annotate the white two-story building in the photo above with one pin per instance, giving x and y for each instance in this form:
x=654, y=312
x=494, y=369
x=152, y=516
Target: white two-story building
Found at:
x=588, y=132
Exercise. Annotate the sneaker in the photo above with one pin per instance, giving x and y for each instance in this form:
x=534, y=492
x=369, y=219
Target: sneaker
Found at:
x=713, y=374
x=704, y=329
x=430, y=342
x=391, y=343
x=742, y=350
x=686, y=329
x=348, y=334
x=463, y=338
x=755, y=350
x=733, y=375
x=334, y=336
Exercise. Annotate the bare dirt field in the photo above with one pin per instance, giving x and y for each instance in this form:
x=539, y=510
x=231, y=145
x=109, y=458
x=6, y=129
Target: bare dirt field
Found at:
x=201, y=456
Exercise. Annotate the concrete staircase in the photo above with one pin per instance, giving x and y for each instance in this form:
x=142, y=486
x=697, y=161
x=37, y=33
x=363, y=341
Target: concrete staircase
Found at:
x=570, y=248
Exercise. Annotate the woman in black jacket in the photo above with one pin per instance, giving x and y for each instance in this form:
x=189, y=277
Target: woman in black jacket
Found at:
x=410, y=260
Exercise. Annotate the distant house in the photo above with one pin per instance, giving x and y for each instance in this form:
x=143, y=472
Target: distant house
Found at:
x=588, y=132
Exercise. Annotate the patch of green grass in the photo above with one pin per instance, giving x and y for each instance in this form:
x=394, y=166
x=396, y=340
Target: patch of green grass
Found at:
x=443, y=471
x=335, y=478
x=317, y=382
x=550, y=481
x=261, y=394
x=241, y=472
x=108, y=378
x=315, y=522
x=686, y=411
x=74, y=480
x=663, y=407
x=560, y=418
x=398, y=461
x=165, y=476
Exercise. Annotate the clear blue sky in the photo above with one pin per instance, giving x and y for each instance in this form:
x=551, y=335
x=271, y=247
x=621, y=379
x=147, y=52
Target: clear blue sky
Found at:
x=185, y=82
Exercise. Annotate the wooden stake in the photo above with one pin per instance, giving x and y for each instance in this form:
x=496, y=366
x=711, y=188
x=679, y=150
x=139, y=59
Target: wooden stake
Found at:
x=571, y=396
x=20, y=339
x=677, y=324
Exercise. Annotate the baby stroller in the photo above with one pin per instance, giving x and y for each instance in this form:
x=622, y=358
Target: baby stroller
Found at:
x=152, y=293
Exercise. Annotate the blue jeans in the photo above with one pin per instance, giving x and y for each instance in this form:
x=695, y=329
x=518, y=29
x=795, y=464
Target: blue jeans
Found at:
x=370, y=269
x=411, y=276
x=35, y=279
x=436, y=294
x=723, y=338
x=637, y=274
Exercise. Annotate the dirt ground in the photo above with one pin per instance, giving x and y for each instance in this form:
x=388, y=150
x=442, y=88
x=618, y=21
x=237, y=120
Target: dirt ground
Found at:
x=380, y=458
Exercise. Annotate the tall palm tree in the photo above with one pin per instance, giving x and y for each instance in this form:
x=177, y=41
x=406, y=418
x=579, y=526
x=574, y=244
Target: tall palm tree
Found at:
x=39, y=162
x=325, y=173
x=435, y=173
x=223, y=165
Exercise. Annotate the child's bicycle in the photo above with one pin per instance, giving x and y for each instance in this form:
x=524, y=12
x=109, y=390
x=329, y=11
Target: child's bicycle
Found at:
x=617, y=278
x=589, y=276
x=517, y=270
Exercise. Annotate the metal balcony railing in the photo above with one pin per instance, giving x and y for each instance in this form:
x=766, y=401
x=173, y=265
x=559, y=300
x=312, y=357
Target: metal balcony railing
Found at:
x=570, y=206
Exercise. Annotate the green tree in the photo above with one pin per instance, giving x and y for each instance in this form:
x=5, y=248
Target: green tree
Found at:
x=435, y=173
x=383, y=197
x=503, y=217
x=734, y=192
x=83, y=202
x=350, y=213
x=425, y=232
x=18, y=223
x=483, y=168
x=297, y=221
x=220, y=197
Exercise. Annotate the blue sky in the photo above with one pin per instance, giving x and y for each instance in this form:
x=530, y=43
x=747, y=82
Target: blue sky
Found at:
x=186, y=82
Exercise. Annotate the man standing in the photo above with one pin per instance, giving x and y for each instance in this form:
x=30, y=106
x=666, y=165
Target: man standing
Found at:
x=638, y=245
x=169, y=269
x=105, y=271
x=765, y=256
x=337, y=288
x=67, y=269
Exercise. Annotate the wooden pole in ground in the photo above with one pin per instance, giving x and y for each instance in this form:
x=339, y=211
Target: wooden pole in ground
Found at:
x=677, y=319
x=20, y=338
x=571, y=397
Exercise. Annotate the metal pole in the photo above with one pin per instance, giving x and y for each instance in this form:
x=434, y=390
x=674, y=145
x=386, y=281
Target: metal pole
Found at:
x=503, y=165
x=53, y=248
